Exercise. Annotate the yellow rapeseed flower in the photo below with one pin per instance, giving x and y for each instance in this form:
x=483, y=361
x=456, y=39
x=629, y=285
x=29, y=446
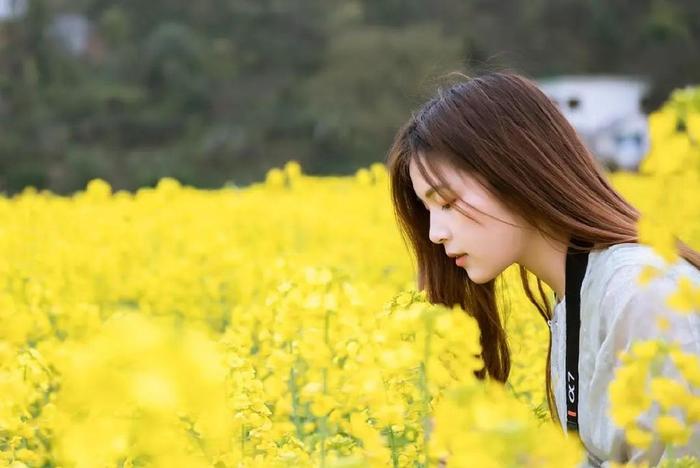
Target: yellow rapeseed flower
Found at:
x=686, y=299
x=657, y=236
x=257, y=327
x=671, y=430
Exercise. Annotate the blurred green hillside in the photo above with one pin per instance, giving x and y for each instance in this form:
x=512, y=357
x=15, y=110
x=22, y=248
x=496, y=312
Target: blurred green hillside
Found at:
x=216, y=91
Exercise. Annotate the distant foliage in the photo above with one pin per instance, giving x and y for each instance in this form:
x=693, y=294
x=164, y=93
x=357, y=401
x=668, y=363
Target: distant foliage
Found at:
x=218, y=91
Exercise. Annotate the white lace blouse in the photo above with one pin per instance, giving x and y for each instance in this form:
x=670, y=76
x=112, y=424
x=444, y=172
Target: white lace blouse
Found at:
x=615, y=311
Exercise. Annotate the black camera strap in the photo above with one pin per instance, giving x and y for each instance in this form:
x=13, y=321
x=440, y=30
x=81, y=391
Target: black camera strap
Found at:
x=576, y=264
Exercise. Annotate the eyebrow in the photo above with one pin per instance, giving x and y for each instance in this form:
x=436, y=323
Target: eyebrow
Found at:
x=432, y=190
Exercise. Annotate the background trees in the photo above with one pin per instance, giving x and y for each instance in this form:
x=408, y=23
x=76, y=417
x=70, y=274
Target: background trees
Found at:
x=220, y=90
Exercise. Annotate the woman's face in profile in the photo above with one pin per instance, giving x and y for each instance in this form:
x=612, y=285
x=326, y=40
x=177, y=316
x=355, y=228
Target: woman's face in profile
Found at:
x=491, y=235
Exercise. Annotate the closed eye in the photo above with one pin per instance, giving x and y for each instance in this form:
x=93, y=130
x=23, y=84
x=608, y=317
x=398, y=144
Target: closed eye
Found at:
x=446, y=206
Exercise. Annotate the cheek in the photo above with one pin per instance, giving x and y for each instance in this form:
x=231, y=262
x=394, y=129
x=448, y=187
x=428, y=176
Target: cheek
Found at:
x=495, y=243
x=495, y=238
x=508, y=236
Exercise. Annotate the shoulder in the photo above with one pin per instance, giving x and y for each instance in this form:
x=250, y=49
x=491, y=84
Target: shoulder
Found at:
x=616, y=269
x=623, y=301
x=626, y=255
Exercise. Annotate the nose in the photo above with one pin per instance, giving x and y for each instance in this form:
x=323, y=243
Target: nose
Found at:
x=438, y=232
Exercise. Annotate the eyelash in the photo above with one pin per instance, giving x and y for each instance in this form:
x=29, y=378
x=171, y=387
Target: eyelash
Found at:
x=444, y=207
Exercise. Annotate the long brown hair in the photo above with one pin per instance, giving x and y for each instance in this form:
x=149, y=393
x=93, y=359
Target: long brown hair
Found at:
x=501, y=128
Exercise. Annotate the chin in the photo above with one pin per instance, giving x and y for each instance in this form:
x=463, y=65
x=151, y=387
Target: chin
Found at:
x=479, y=277
x=475, y=277
x=478, y=281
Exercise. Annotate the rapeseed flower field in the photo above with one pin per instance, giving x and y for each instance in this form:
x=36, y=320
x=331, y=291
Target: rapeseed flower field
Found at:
x=279, y=325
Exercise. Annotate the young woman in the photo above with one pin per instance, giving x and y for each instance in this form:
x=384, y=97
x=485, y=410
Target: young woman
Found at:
x=489, y=173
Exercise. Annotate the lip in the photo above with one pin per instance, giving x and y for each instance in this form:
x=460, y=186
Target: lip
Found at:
x=455, y=255
x=459, y=261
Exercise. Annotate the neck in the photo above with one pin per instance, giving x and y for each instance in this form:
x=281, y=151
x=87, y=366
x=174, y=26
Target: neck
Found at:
x=545, y=257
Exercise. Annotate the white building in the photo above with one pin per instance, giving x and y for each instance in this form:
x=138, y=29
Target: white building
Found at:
x=13, y=9
x=606, y=112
